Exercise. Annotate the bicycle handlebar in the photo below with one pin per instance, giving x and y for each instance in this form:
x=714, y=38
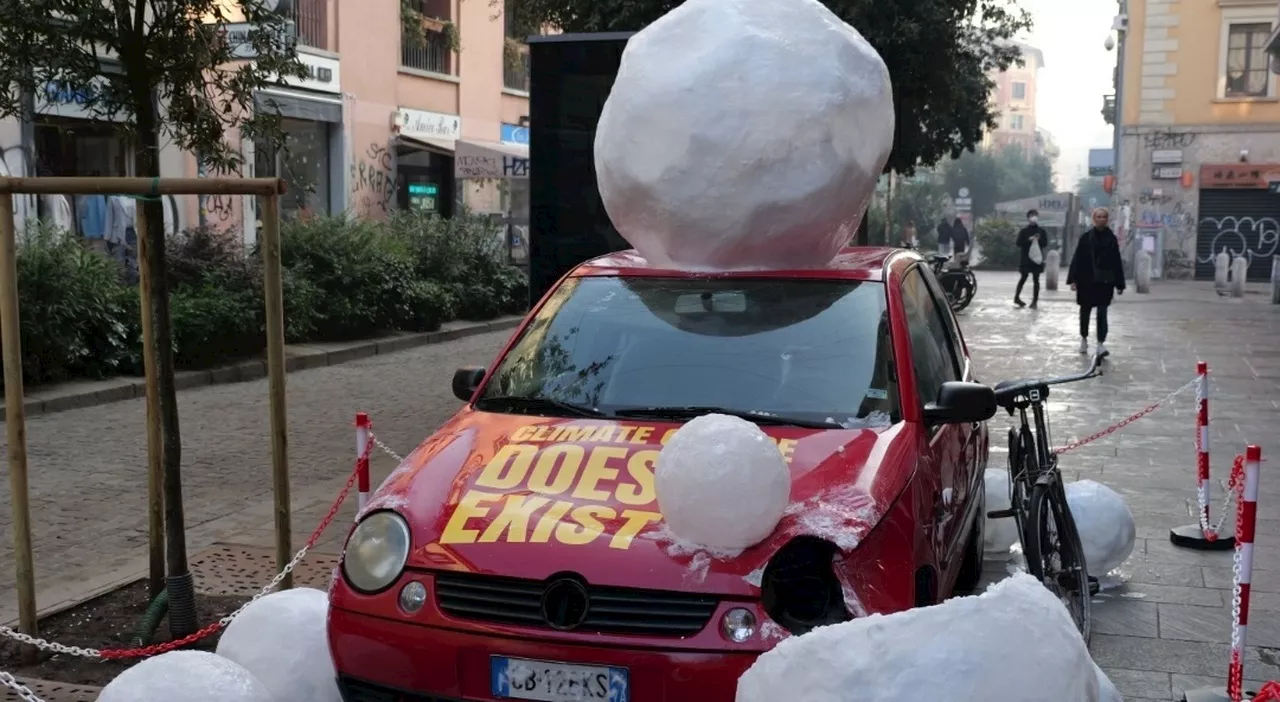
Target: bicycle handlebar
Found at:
x=1010, y=390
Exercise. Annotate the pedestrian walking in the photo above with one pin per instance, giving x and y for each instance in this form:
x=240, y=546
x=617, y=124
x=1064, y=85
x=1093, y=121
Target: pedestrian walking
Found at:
x=944, y=237
x=1031, y=242
x=1096, y=274
x=959, y=242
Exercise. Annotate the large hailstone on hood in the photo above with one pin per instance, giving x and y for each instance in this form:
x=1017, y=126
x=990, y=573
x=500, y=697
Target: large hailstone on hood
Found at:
x=721, y=483
x=744, y=134
x=189, y=676
x=1013, y=643
x=282, y=639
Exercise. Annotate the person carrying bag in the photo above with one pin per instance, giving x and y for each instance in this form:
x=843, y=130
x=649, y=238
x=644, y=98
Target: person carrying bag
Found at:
x=1031, y=258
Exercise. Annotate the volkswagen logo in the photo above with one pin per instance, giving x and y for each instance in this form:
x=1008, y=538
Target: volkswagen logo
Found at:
x=565, y=603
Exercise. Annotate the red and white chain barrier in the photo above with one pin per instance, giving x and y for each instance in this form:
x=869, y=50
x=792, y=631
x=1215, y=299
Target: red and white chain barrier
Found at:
x=360, y=473
x=1246, y=521
x=1124, y=422
x=1206, y=535
x=362, y=461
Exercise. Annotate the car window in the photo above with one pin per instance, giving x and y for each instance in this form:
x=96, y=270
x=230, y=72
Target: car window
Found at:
x=931, y=355
x=952, y=323
x=813, y=349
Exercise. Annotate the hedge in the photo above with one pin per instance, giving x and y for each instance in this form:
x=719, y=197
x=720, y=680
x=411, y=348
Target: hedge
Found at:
x=343, y=279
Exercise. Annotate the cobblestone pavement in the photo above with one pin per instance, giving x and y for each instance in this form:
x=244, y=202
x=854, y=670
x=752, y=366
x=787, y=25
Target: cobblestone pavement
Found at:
x=1165, y=630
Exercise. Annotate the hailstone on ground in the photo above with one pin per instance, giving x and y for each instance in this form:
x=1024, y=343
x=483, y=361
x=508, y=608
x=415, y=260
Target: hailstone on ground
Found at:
x=282, y=640
x=721, y=483
x=742, y=134
x=1107, y=528
x=1013, y=643
x=189, y=676
x=999, y=535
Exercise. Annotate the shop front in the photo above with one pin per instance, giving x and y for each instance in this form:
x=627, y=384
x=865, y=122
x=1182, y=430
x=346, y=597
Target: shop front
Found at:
x=423, y=170
x=1239, y=212
x=311, y=160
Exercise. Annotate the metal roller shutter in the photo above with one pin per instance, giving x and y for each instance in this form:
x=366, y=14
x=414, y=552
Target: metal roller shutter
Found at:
x=1243, y=222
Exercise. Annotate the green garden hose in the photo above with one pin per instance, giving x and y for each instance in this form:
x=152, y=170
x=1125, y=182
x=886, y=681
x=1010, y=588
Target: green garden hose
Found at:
x=151, y=620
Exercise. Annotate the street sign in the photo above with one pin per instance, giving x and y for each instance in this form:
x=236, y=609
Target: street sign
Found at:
x=1166, y=172
x=238, y=38
x=1166, y=157
x=964, y=204
x=964, y=193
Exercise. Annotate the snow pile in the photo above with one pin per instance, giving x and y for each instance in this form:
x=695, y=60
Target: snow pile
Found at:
x=998, y=535
x=742, y=134
x=721, y=483
x=1106, y=526
x=281, y=640
x=189, y=676
x=1013, y=643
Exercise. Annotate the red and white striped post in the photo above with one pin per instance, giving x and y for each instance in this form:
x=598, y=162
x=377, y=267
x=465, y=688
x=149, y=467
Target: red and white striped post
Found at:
x=1246, y=521
x=1202, y=536
x=362, y=460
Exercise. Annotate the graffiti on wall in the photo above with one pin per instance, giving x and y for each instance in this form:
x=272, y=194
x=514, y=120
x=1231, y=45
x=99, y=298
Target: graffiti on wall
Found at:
x=374, y=180
x=1168, y=140
x=1172, y=221
x=1251, y=237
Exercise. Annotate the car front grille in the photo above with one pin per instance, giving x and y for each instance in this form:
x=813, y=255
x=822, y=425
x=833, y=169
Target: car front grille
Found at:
x=354, y=690
x=612, y=610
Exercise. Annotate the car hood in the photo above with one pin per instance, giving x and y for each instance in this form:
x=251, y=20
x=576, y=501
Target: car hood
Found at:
x=529, y=497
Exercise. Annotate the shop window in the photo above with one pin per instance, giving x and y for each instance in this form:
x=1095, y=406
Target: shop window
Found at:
x=304, y=165
x=424, y=41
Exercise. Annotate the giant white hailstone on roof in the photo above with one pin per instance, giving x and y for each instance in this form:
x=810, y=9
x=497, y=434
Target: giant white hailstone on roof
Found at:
x=744, y=134
x=189, y=676
x=998, y=535
x=282, y=640
x=1013, y=643
x=1107, y=528
x=721, y=483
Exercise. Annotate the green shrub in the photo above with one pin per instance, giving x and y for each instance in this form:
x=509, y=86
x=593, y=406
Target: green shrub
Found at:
x=73, y=307
x=997, y=243
x=215, y=322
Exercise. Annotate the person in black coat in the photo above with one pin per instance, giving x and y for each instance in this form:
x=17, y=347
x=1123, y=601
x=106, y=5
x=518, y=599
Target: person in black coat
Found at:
x=959, y=237
x=1032, y=233
x=944, y=237
x=1096, y=274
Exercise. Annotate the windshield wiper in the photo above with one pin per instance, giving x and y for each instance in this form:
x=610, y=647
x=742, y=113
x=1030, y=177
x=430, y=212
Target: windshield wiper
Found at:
x=691, y=412
x=522, y=404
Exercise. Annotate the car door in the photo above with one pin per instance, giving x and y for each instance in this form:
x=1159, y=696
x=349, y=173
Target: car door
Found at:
x=934, y=363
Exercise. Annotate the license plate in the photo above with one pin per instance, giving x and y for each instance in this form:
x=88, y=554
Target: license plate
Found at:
x=523, y=679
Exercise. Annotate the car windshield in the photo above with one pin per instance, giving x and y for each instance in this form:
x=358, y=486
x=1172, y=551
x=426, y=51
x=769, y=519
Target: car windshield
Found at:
x=785, y=351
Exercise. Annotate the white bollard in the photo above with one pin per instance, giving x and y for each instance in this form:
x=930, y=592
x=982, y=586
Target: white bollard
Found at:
x=1239, y=270
x=1052, y=262
x=1275, y=280
x=1142, y=273
x=1221, y=264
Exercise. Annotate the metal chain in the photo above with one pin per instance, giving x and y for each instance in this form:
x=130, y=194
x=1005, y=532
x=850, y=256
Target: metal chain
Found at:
x=1125, y=422
x=21, y=690
x=1233, y=485
x=1235, y=558
x=386, y=449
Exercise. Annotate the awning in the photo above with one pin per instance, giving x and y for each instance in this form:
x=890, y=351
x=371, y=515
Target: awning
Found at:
x=440, y=146
x=490, y=159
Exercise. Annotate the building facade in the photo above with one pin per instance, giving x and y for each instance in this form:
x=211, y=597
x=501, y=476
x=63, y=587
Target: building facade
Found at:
x=1199, y=135
x=430, y=117
x=1014, y=97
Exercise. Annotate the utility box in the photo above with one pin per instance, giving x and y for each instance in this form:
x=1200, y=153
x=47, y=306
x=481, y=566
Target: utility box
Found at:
x=570, y=78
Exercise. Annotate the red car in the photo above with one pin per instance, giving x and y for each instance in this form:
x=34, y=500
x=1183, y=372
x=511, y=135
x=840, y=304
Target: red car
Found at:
x=519, y=553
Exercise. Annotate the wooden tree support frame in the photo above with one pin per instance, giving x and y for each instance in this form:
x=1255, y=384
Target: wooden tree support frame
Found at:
x=10, y=340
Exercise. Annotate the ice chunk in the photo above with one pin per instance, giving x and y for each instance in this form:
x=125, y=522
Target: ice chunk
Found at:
x=1106, y=526
x=998, y=535
x=721, y=483
x=1013, y=643
x=281, y=639
x=190, y=676
x=743, y=134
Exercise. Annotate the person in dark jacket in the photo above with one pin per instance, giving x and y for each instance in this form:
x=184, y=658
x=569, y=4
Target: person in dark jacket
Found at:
x=1096, y=274
x=944, y=237
x=1032, y=233
x=959, y=242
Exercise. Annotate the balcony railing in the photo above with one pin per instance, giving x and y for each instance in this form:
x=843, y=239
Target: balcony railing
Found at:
x=312, y=17
x=429, y=52
x=1109, y=109
x=516, y=77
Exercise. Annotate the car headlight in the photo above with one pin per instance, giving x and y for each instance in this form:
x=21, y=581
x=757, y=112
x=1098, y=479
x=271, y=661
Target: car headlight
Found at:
x=376, y=552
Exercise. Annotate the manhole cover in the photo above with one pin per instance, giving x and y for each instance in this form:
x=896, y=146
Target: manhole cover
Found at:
x=53, y=692
x=241, y=571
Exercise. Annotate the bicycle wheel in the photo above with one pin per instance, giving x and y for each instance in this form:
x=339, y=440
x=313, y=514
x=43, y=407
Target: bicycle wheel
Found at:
x=1022, y=470
x=1054, y=545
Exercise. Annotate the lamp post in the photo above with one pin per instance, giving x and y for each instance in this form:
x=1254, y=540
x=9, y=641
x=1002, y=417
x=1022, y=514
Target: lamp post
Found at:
x=1118, y=25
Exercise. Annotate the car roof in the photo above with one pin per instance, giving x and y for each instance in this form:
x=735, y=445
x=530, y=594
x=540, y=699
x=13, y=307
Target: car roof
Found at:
x=852, y=263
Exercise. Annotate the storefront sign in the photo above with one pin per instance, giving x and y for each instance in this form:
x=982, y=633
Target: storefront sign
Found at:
x=476, y=160
x=1239, y=175
x=1101, y=162
x=515, y=134
x=1052, y=208
x=72, y=101
x=429, y=125
x=323, y=74
x=239, y=39
x=1166, y=172
x=1166, y=156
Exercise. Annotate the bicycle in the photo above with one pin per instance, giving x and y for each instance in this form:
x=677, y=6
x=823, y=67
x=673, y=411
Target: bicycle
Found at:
x=1038, y=500
x=958, y=284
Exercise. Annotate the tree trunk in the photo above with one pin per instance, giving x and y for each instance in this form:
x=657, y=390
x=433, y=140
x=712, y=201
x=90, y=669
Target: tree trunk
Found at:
x=182, y=610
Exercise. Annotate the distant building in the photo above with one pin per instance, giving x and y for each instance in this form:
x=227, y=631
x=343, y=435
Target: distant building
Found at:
x=1014, y=97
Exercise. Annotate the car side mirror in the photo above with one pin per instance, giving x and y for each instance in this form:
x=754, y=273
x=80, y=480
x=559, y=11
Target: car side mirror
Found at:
x=465, y=381
x=961, y=403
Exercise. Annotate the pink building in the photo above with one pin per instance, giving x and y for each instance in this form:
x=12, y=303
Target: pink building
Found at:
x=1015, y=99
